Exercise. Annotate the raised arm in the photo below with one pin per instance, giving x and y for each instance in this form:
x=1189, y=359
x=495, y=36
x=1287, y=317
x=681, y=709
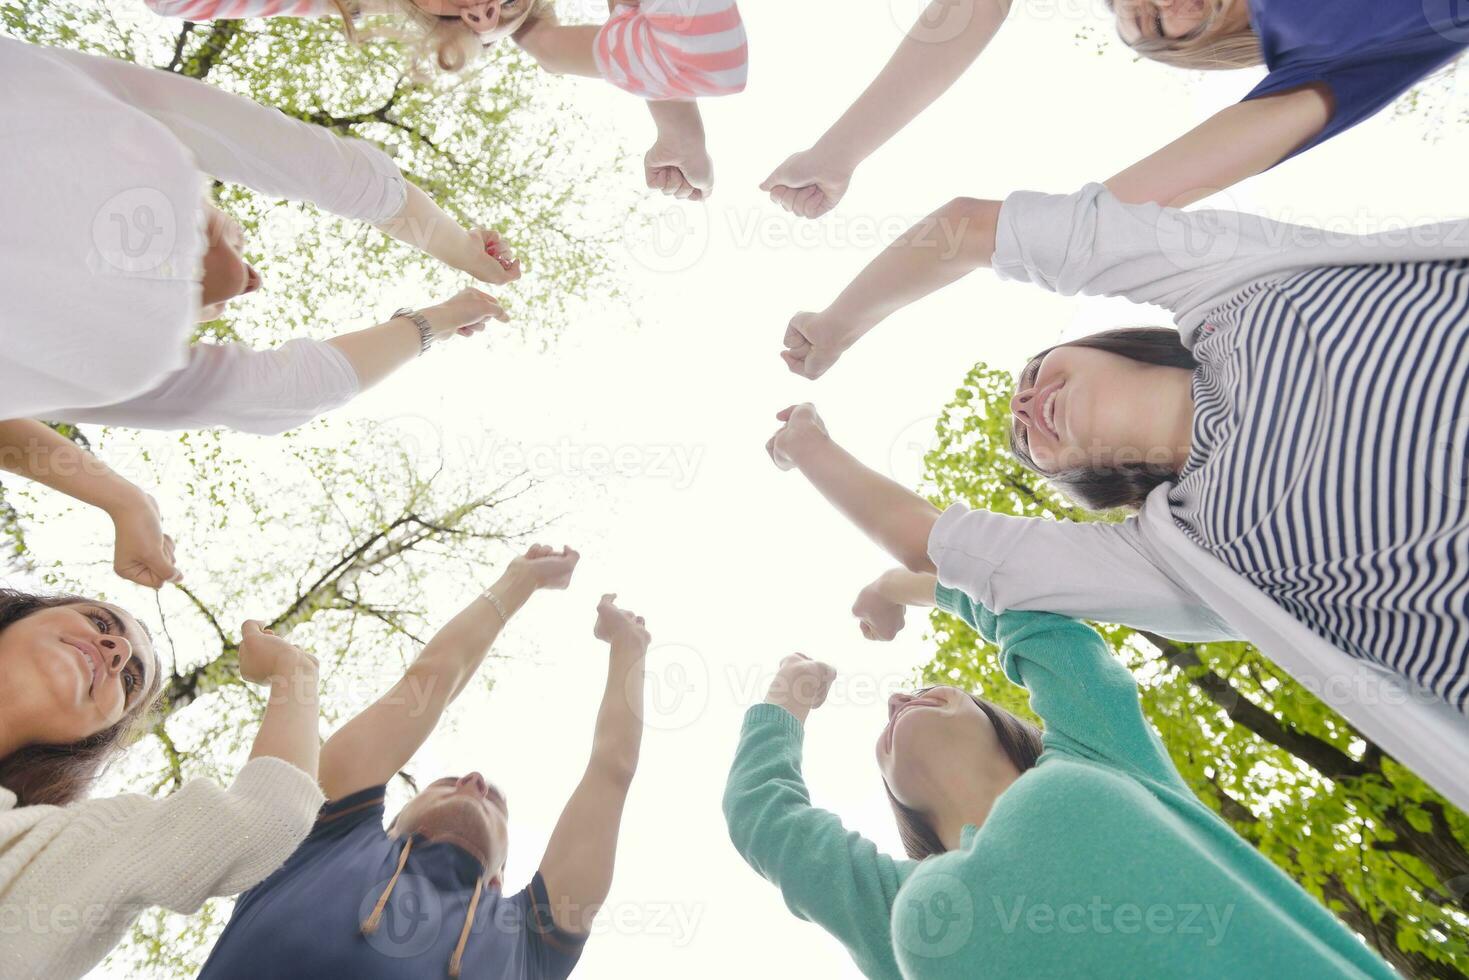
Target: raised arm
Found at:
x=373, y=746
x=893, y=516
x=143, y=553
x=942, y=248
x=579, y=859
x=827, y=874
x=271, y=391
x=1232, y=145
x=948, y=36
x=881, y=607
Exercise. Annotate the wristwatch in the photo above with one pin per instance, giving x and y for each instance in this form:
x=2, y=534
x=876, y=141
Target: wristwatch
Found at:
x=425, y=332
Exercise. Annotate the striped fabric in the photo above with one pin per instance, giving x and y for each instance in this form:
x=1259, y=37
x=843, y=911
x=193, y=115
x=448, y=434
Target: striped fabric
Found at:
x=1329, y=459
x=199, y=10
x=674, y=49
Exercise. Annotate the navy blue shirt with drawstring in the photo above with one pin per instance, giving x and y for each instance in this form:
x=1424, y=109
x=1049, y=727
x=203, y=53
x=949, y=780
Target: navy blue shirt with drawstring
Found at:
x=1365, y=52
x=306, y=920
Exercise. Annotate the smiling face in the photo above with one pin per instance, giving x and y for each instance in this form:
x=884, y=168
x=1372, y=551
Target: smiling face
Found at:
x=226, y=273
x=71, y=671
x=488, y=20
x=935, y=737
x=467, y=811
x=1077, y=407
x=1162, y=20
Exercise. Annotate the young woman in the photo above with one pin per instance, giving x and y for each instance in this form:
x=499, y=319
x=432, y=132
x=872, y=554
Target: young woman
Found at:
x=669, y=52
x=122, y=258
x=77, y=679
x=1273, y=502
x=1076, y=852
x=1332, y=65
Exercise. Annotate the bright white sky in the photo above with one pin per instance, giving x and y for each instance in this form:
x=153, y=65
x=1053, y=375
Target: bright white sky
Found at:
x=733, y=563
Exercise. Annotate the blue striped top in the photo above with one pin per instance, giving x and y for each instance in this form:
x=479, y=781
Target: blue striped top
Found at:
x=1328, y=464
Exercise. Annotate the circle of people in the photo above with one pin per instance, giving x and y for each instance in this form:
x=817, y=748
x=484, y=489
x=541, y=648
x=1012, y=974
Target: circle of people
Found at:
x=1247, y=441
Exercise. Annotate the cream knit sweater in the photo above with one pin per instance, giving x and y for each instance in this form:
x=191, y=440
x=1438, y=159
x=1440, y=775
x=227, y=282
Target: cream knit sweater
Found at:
x=73, y=878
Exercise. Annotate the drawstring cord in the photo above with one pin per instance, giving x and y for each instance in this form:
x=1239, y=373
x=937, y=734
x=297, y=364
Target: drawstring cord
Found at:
x=369, y=926
x=464, y=932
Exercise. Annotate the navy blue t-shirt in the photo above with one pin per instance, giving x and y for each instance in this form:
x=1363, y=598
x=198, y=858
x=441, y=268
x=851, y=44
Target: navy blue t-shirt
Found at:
x=1366, y=52
x=305, y=919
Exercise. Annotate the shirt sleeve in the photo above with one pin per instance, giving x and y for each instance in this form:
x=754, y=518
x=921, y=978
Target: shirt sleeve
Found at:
x=828, y=875
x=1088, y=701
x=237, y=140
x=203, y=10
x=201, y=841
x=1362, y=88
x=1096, y=571
x=1188, y=262
x=674, y=49
x=554, y=950
x=231, y=385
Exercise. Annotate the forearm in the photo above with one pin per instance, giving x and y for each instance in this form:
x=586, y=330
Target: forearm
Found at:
x=32, y=449
x=1232, y=145
x=896, y=518
x=938, y=49
x=942, y=248
x=423, y=225
x=454, y=654
x=376, y=352
x=619, y=731
x=907, y=588
x=288, y=728
x=677, y=117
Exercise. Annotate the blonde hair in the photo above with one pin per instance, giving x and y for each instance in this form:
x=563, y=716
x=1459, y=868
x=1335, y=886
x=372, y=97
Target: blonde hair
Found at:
x=1204, y=48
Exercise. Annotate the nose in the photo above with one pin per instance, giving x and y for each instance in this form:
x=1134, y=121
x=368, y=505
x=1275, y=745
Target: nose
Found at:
x=481, y=18
x=896, y=701
x=1022, y=406
x=115, y=652
x=474, y=779
x=252, y=279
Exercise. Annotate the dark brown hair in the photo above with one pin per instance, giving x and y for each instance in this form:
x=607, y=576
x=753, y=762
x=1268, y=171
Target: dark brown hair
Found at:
x=62, y=774
x=1124, y=484
x=1019, y=740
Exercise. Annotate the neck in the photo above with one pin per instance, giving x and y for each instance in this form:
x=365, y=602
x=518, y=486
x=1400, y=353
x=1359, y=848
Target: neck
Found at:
x=961, y=806
x=12, y=730
x=1172, y=425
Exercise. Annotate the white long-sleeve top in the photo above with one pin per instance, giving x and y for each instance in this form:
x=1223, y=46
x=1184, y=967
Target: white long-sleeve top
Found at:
x=102, y=181
x=1147, y=572
x=73, y=878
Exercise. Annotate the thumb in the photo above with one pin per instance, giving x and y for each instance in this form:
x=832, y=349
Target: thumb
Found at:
x=251, y=627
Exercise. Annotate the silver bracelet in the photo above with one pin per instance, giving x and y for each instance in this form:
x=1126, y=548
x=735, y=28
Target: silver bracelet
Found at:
x=425, y=332
x=495, y=601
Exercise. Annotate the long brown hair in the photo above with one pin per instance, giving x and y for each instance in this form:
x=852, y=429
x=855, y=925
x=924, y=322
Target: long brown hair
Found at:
x=1204, y=48
x=62, y=774
x=1021, y=743
x=1124, y=485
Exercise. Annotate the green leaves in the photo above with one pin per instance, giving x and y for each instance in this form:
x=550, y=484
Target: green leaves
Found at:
x=1382, y=849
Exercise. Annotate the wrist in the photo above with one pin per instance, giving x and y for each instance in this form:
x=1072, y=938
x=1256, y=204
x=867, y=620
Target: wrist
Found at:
x=782, y=699
x=298, y=681
x=848, y=322
x=118, y=497
x=515, y=586
x=837, y=152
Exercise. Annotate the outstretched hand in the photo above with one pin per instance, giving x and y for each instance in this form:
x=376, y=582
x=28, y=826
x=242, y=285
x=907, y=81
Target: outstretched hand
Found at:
x=547, y=567
x=485, y=256
x=801, y=684
x=802, y=428
x=615, y=625
x=879, y=617
x=807, y=185
x=813, y=343
x=143, y=553
x=465, y=313
x=265, y=657
x=679, y=167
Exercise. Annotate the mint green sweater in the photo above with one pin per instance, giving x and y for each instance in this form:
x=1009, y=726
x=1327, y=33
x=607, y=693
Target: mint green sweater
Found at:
x=1098, y=862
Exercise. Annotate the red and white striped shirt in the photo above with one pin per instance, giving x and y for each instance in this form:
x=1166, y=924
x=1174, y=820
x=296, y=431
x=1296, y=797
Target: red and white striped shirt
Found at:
x=239, y=9
x=674, y=49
